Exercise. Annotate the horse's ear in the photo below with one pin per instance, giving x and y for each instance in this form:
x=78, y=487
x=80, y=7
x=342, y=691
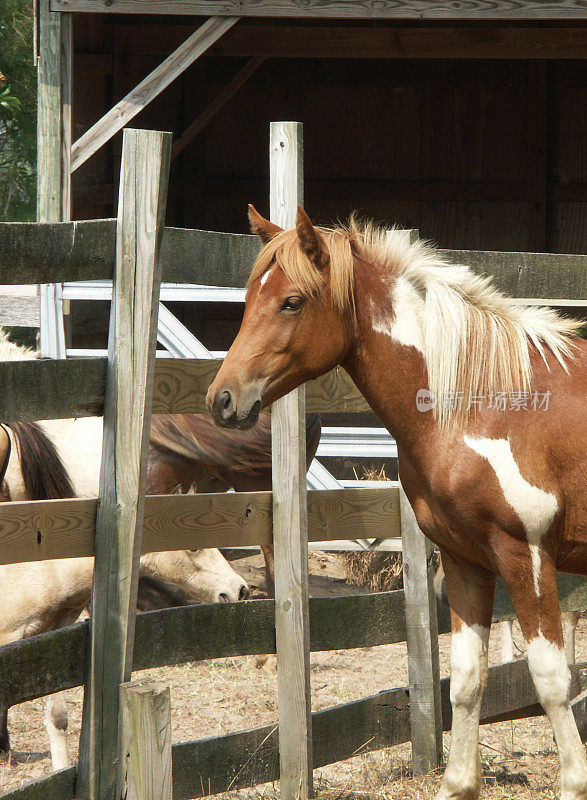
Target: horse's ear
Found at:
x=264, y=229
x=310, y=240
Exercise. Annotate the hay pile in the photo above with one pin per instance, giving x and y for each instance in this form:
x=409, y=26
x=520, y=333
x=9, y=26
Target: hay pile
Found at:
x=381, y=572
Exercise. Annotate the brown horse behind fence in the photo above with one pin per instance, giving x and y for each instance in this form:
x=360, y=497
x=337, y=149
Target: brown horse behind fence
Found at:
x=486, y=400
x=188, y=450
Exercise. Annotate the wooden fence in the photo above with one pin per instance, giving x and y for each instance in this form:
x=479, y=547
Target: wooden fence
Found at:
x=135, y=251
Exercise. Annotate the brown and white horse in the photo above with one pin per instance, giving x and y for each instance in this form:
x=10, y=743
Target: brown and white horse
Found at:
x=499, y=487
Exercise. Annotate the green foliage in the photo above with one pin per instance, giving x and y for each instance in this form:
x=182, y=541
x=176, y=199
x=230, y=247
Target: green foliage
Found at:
x=18, y=111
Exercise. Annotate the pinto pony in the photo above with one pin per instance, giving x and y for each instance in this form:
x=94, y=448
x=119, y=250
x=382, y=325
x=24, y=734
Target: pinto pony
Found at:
x=500, y=489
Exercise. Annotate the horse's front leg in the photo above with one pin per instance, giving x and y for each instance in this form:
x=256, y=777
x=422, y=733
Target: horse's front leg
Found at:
x=55, y=720
x=470, y=593
x=4, y=735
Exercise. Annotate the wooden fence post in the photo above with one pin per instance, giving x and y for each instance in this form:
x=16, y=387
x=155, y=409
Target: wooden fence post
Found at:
x=54, y=86
x=422, y=640
x=127, y=416
x=145, y=714
x=290, y=523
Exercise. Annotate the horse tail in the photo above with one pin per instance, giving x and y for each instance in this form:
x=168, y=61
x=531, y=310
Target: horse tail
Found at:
x=43, y=473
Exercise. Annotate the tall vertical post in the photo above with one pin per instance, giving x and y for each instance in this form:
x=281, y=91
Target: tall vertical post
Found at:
x=127, y=417
x=290, y=524
x=422, y=641
x=54, y=82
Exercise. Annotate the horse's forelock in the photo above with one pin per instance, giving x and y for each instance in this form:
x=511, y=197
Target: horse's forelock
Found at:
x=285, y=251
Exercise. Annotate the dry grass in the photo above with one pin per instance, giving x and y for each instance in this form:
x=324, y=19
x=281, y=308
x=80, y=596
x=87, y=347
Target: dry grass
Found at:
x=381, y=572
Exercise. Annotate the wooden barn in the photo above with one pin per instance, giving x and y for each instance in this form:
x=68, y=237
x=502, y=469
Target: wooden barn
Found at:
x=465, y=120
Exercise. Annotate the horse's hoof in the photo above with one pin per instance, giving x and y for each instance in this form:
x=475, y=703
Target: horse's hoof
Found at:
x=449, y=791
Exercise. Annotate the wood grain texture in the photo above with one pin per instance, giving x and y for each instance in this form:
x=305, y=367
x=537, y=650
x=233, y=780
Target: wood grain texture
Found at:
x=49, y=130
x=339, y=9
x=53, y=147
x=145, y=708
x=75, y=251
x=43, y=529
x=422, y=640
x=127, y=418
x=136, y=100
x=58, y=785
x=290, y=512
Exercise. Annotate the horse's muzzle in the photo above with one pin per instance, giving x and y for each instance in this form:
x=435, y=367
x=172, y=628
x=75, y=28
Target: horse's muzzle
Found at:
x=225, y=413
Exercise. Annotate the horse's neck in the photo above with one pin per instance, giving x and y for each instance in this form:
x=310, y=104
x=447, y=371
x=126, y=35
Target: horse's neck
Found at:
x=386, y=360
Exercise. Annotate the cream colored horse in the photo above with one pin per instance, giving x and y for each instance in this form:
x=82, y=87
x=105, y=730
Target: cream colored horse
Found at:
x=61, y=458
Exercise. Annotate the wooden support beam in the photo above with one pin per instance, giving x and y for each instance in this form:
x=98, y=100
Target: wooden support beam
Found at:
x=340, y=9
x=145, y=710
x=127, y=419
x=422, y=640
x=290, y=515
x=149, y=88
x=54, y=79
x=389, y=41
x=214, y=107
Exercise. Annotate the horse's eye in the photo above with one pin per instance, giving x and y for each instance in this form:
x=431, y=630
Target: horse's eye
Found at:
x=292, y=304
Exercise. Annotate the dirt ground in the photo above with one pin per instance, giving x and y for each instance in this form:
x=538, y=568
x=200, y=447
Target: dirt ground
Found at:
x=216, y=697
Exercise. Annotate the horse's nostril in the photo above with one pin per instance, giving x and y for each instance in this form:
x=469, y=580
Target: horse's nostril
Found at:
x=223, y=598
x=244, y=592
x=226, y=400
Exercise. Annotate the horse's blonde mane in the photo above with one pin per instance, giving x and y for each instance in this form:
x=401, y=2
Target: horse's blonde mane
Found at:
x=476, y=340
x=9, y=351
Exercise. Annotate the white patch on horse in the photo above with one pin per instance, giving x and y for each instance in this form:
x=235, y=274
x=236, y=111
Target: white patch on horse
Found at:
x=551, y=676
x=406, y=325
x=535, y=507
x=468, y=658
x=265, y=276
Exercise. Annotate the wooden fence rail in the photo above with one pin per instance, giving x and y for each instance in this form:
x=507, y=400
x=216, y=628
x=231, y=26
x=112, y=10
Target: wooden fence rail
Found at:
x=84, y=251
x=247, y=758
x=54, y=661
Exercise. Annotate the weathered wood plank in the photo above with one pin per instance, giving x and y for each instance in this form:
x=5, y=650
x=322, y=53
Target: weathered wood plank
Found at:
x=59, y=390
x=56, y=786
x=43, y=389
x=145, y=709
x=44, y=529
x=54, y=661
x=422, y=641
x=247, y=758
x=151, y=86
x=290, y=511
x=339, y=9
x=127, y=420
x=53, y=146
x=529, y=275
x=80, y=251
